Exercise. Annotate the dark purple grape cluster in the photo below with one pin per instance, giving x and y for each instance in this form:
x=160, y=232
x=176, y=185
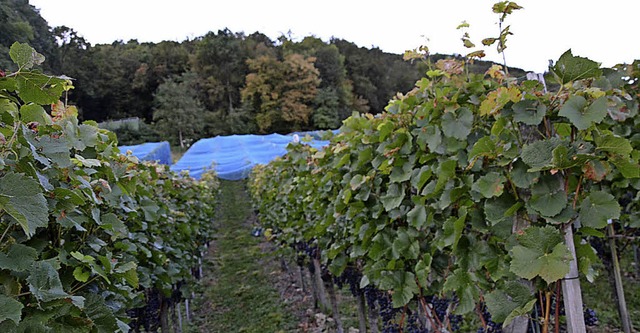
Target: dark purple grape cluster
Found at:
x=413, y=324
x=590, y=317
x=377, y=299
x=350, y=276
x=455, y=321
x=491, y=326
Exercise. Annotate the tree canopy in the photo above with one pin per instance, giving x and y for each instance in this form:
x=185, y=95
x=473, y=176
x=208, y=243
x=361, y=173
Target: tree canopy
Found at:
x=241, y=83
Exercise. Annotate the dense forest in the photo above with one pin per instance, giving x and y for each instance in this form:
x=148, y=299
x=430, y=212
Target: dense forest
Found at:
x=221, y=83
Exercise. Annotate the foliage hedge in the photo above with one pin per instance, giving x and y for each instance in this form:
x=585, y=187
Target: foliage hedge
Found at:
x=85, y=230
x=465, y=187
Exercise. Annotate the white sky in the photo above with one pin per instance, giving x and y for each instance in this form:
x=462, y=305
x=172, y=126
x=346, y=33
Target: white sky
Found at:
x=604, y=31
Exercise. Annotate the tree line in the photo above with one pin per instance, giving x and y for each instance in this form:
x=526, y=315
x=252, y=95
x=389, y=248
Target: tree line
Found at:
x=221, y=83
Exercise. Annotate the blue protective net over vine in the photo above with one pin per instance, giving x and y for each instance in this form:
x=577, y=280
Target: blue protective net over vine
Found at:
x=233, y=156
x=150, y=151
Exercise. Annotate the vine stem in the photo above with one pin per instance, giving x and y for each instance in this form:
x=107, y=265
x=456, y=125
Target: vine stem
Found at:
x=5, y=233
x=426, y=312
x=83, y=285
x=479, y=312
x=557, y=319
x=575, y=197
x=547, y=312
x=404, y=313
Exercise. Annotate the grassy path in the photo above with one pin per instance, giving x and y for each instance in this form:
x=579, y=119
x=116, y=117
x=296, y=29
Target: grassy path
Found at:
x=236, y=294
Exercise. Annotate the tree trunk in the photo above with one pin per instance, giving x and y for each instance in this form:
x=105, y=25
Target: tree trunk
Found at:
x=164, y=315
x=301, y=277
x=175, y=322
x=180, y=138
x=373, y=318
x=362, y=315
x=334, y=306
x=322, y=298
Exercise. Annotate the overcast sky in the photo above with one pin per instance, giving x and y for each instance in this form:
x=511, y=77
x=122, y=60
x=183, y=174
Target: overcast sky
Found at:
x=604, y=31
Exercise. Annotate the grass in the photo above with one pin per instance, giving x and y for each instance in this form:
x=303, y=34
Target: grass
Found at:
x=238, y=292
x=600, y=295
x=235, y=295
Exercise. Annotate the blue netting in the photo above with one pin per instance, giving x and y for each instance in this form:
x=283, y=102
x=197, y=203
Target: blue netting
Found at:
x=150, y=151
x=233, y=157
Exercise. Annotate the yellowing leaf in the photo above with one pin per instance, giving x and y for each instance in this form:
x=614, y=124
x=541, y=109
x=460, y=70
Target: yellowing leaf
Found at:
x=497, y=99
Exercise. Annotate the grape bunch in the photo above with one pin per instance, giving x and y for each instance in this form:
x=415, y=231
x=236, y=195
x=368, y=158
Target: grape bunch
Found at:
x=414, y=325
x=455, y=321
x=491, y=326
x=352, y=277
x=382, y=301
x=590, y=317
x=150, y=316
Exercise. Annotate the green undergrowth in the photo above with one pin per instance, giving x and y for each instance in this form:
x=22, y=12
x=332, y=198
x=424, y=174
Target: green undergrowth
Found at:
x=601, y=297
x=235, y=294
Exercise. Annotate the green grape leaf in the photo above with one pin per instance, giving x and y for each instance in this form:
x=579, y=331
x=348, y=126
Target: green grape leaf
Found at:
x=401, y=174
x=548, y=196
x=587, y=258
x=8, y=83
x=496, y=210
x=35, y=113
x=420, y=177
x=484, y=147
x=22, y=198
x=393, y=198
x=490, y=185
x=44, y=282
x=401, y=243
x=25, y=56
x=433, y=138
x=404, y=287
x=541, y=252
x=39, y=88
x=100, y=314
x=452, y=230
x=53, y=148
x=529, y=112
x=19, y=258
x=539, y=154
x=614, y=144
x=582, y=117
x=570, y=68
x=131, y=276
x=417, y=217
x=385, y=129
x=356, y=181
x=81, y=275
x=597, y=208
x=521, y=177
x=563, y=159
x=116, y=227
x=11, y=309
x=457, y=124
x=503, y=302
x=628, y=168
x=422, y=269
x=464, y=284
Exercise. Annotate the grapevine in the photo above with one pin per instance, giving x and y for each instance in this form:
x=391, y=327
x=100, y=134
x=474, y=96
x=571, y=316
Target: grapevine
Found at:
x=466, y=186
x=89, y=234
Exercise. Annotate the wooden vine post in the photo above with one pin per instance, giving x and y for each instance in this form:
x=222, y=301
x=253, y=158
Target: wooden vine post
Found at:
x=622, y=304
x=571, y=292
